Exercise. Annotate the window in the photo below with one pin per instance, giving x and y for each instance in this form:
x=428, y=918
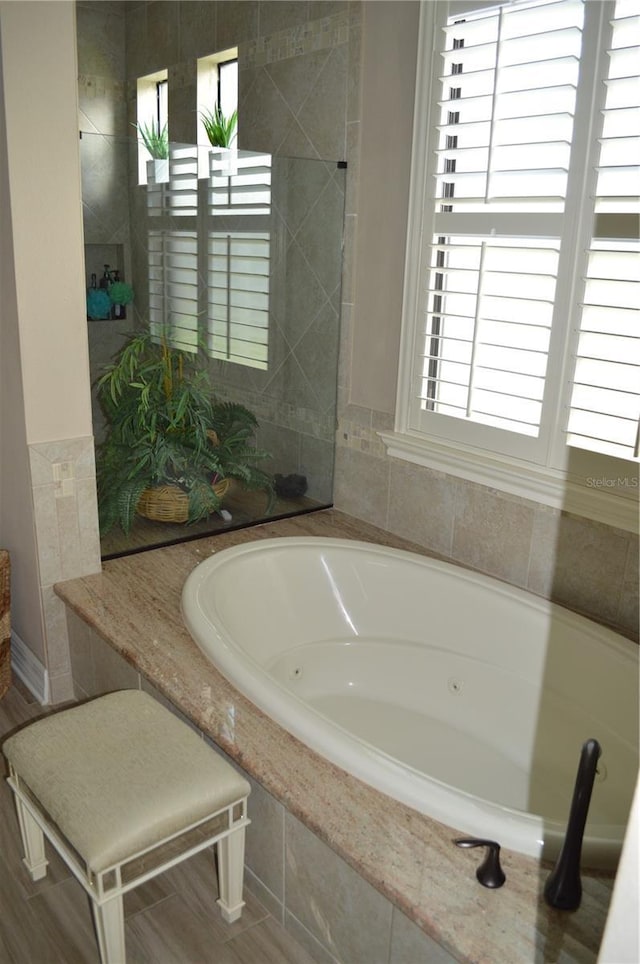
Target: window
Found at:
x=217, y=84
x=521, y=347
x=152, y=104
x=228, y=85
x=222, y=235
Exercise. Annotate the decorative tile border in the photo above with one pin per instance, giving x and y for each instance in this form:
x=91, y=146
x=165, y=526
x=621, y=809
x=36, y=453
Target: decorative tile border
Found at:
x=360, y=437
x=296, y=41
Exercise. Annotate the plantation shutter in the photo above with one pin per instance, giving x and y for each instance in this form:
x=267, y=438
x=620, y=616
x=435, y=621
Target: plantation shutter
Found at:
x=173, y=287
x=506, y=116
x=605, y=403
x=239, y=257
x=172, y=253
x=238, y=293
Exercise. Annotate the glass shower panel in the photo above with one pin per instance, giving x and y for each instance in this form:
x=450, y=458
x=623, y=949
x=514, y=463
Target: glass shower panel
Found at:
x=245, y=266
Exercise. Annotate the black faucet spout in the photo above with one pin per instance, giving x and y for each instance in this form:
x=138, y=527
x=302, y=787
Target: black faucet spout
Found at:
x=563, y=888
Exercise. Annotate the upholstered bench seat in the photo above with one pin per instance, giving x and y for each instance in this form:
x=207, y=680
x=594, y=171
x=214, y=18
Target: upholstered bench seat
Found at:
x=110, y=783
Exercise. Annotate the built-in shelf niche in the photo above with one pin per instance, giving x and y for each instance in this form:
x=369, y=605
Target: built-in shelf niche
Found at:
x=96, y=256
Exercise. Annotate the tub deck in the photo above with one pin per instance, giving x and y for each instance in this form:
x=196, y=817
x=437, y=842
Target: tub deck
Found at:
x=134, y=605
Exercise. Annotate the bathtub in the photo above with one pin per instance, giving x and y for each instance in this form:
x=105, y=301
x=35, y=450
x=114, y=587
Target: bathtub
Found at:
x=456, y=694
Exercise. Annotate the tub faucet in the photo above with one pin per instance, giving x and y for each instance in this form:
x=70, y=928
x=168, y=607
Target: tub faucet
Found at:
x=563, y=888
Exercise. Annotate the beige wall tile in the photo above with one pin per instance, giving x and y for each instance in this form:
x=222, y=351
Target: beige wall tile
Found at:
x=493, y=533
x=629, y=614
x=111, y=672
x=61, y=689
x=265, y=840
x=343, y=911
x=81, y=656
x=589, y=567
x=361, y=485
x=409, y=943
x=422, y=506
x=255, y=886
x=58, y=659
x=316, y=951
x=47, y=534
x=544, y=537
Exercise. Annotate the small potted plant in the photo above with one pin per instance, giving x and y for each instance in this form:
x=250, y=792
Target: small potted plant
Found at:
x=171, y=447
x=220, y=130
x=156, y=141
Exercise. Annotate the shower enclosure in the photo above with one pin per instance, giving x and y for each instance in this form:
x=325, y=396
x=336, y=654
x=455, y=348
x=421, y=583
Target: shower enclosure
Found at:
x=238, y=253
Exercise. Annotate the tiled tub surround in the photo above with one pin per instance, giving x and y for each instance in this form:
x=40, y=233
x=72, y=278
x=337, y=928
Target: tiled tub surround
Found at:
x=587, y=566
x=345, y=868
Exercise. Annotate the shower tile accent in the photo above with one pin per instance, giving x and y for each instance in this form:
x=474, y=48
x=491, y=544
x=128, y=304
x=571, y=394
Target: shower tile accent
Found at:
x=296, y=40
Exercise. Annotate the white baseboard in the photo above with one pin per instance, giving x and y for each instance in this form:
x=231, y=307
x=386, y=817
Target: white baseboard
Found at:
x=29, y=669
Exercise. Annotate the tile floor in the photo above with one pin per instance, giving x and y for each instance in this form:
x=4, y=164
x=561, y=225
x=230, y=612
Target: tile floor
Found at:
x=170, y=920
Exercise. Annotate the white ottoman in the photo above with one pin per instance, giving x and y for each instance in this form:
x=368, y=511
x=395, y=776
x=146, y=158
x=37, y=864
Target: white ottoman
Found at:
x=124, y=790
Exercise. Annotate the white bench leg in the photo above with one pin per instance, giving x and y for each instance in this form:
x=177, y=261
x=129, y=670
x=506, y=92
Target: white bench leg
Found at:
x=230, y=875
x=109, y=919
x=32, y=841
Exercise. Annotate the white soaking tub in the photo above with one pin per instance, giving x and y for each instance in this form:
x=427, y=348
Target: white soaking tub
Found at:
x=454, y=693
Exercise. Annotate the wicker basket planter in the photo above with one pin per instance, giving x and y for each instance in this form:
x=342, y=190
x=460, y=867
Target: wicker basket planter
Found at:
x=169, y=503
x=5, y=622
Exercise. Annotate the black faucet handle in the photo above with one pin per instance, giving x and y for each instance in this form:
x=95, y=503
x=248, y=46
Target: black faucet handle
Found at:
x=489, y=873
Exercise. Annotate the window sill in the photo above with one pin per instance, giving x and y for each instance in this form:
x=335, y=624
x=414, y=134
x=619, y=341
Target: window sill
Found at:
x=610, y=500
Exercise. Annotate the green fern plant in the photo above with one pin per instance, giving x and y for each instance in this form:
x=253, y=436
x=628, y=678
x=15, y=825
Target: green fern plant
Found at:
x=165, y=427
x=155, y=139
x=220, y=130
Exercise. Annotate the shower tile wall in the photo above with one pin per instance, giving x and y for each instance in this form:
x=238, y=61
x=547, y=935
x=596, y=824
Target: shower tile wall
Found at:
x=103, y=124
x=295, y=81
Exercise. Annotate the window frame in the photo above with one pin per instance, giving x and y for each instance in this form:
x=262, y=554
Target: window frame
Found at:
x=208, y=90
x=597, y=486
x=148, y=107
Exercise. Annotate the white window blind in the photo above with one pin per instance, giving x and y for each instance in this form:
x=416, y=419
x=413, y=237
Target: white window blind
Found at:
x=507, y=105
x=240, y=182
x=173, y=287
x=605, y=402
x=239, y=257
x=173, y=254
x=519, y=363
x=175, y=192
x=488, y=329
x=506, y=116
x=238, y=295
x=212, y=278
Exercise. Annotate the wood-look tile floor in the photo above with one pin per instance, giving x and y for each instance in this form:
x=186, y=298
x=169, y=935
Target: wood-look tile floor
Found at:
x=172, y=919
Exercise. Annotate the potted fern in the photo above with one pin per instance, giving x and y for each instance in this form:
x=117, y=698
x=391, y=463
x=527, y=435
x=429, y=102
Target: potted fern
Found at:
x=171, y=447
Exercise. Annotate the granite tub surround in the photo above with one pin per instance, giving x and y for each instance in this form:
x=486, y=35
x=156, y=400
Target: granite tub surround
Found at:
x=408, y=860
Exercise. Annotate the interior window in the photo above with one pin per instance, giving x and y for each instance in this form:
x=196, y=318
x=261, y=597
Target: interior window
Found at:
x=521, y=338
